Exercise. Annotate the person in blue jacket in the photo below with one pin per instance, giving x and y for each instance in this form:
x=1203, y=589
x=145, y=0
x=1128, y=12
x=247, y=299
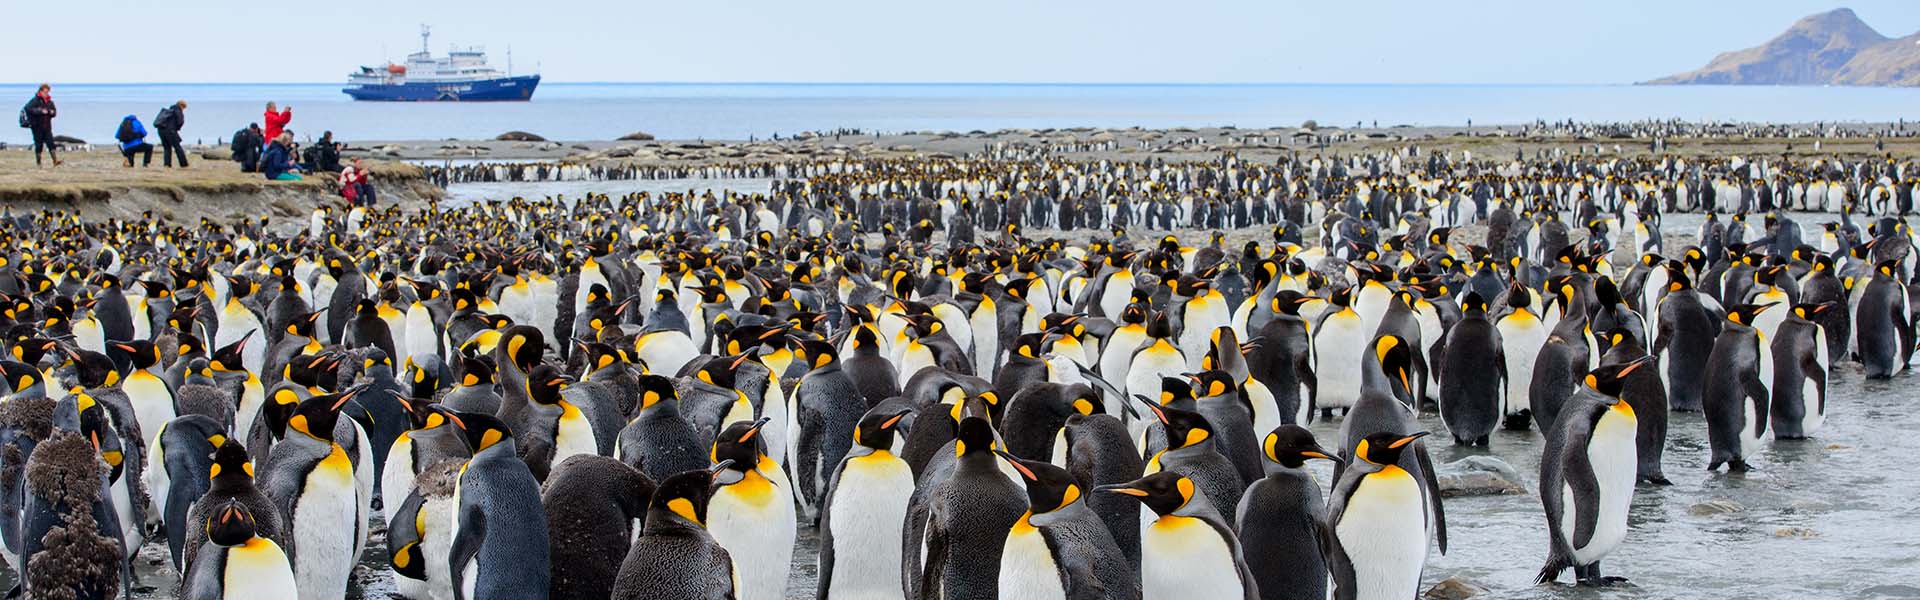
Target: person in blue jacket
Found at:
x=133, y=140
x=277, y=163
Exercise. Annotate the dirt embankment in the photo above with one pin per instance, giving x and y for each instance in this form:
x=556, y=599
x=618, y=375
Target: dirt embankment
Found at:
x=99, y=185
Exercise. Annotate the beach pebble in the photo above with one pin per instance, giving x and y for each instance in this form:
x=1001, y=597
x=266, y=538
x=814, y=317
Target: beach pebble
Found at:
x=1454, y=588
x=1479, y=476
x=1715, y=507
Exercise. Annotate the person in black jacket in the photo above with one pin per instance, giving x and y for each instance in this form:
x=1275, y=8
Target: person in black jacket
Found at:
x=169, y=122
x=247, y=144
x=40, y=113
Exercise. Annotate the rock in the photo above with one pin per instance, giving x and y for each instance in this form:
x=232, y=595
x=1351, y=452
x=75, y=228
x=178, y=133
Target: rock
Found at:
x=1479, y=476
x=621, y=152
x=1715, y=507
x=1454, y=588
x=1796, y=532
x=216, y=154
x=519, y=136
x=637, y=136
x=901, y=148
x=1893, y=591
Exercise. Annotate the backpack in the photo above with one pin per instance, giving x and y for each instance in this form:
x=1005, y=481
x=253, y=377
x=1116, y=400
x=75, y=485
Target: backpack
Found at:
x=126, y=132
x=24, y=121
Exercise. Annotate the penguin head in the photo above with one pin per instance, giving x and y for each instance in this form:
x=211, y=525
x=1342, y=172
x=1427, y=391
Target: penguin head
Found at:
x=32, y=349
x=522, y=345
x=1049, y=488
x=1745, y=314
x=1184, y=428
x=545, y=383
x=1158, y=327
x=1610, y=380
x=1212, y=384
x=1473, y=303
x=1384, y=448
x=231, y=524
x=1811, y=312
x=316, y=416
x=1030, y=345
x=600, y=356
x=1176, y=390
x=20, y=376
x=684, y=495
x=974, y=437
x=1292, y=445
x=228, y=358
x=741, y=444
x=1165, y=492
x=475, y=370
x=230, y=460
x=819, y=353
x=80, y=413
x=484, y=431
x=1288, y=302
x=1396, y=358
x=93, y=369
x=655, y=389
x=877, y=429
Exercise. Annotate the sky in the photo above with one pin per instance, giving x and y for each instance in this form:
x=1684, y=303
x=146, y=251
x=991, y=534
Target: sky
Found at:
x=891, y=41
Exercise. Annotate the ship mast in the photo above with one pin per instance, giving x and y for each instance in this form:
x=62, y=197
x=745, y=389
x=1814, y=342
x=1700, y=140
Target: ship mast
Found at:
x=424, y=32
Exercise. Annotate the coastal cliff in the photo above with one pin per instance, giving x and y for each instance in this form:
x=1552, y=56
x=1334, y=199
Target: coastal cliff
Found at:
x=1830, y=48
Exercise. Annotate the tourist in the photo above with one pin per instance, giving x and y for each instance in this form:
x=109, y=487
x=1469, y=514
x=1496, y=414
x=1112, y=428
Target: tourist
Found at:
x=324, y=155
x=38, y=116
x=356, y=184
x=277, y=120
x=277, y=164
x=247, y=144
x=169, y=122
x=133, y=140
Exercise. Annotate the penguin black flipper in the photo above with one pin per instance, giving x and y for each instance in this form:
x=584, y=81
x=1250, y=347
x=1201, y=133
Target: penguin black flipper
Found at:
x=472, y=530
x=403, y=540
x=1312, y=382
x=933, y=566
x=1339, y=565
x=1433, y=489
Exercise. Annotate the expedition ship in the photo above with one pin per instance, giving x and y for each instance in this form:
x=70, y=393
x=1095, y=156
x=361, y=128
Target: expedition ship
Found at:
x=462, y=76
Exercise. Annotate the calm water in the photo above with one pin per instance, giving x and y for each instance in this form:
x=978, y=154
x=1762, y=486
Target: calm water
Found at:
x=735, y=111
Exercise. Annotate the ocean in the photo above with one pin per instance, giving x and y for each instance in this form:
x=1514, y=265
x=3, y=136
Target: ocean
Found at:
x=603, y=111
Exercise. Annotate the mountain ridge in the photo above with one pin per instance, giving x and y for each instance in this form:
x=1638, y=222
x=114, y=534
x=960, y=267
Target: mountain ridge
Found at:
x=1829, y=48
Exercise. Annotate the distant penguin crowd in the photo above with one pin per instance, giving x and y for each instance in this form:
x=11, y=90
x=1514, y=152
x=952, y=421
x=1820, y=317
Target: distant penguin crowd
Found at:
x=971, y=379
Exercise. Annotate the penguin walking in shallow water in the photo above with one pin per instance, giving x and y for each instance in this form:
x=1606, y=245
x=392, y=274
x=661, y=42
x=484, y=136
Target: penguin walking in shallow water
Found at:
x=1587, y=474
x=500, y=538
x=1283, y=519
x=1647, y=395
x=1684, y=340
x=1377, y=519
x=1801, y=363
x=1060, y=549
x=1883, y=330
x=751, y=512
x=675, y=557
x=1735, y=395
x=862, y=514
x=237, y=562
x=1473, y=375
x=1522, y=333
x=1187, y=550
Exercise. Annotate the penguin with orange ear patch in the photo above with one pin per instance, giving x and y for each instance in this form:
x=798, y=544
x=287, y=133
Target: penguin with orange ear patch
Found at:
x=313, y=480
x=675, y=557
x=1060, y=548
x=1587, y=475
x=1736, y=395
x=1378, y=521
x=1187, y=550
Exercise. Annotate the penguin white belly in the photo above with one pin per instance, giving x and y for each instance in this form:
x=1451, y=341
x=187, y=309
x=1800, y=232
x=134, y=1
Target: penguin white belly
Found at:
x=1383, y=533
x=754, y=520
x=1338, y=350
x=132, y=534
x=1203, y=316
x=152, y=404
x=1614, y=457
x=1266, y=410
x=1119, y=349
x=867, y=524
x=1750, y=434
x=436, y=547
x=252, y=396
x=156, y=479
x=1521, y=337
x=574, y=435
x=1183, y=558
x=237, y=322
x=1117, y=292
x=914, y=358
x=666, y=352
x=956, y=323
x=1813, y=415
x=773, y=406
x=986, y=339
x=87, y=334
x=1027, y=568
x=396, y=476
x=421, y=339
x=259, y=570
x=325, y=520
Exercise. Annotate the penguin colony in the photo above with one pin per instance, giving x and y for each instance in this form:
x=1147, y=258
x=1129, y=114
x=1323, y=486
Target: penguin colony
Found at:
x=648, y=396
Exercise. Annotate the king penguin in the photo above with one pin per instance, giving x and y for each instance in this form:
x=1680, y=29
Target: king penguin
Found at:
x=1187, y=550
x=1339, y=341
x=500, y=539
x=1378, y=522
x=1283, y=519
x=1060, y=549
x=862, y=515
x=312, y=480
x=1587, y=475
x=1473, y=375
x=1735, y=394
x=751, y=512
x=237, y=562
x=675, y=557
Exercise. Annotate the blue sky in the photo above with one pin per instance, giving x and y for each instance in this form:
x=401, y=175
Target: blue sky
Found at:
x=1283, y=41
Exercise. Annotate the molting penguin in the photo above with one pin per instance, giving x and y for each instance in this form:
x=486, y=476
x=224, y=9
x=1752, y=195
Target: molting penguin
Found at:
x=675, y=557
x=1587, y=474
x=595, y=507
x=1187, y=550
x=1283, y=519
x=1060, y=549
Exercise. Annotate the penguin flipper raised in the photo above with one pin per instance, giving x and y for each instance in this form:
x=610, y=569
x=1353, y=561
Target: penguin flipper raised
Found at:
x=466, y=546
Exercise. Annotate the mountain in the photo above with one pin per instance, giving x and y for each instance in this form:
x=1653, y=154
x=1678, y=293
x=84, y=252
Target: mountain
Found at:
x=1830, y=48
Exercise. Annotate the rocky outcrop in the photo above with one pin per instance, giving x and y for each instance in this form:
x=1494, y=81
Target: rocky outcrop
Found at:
x=1830, y=48
x=519, y=136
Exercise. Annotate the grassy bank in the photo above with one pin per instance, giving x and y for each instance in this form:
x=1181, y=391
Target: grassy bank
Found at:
x=99, y=184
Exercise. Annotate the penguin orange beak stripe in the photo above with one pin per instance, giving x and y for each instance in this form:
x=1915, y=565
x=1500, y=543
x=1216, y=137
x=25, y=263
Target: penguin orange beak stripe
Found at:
x=1407, y=440
x=891, y=422
x=1127, y=491
x=754, y=429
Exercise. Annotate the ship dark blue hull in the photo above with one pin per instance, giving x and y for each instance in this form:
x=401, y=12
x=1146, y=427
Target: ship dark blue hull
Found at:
x=505, y=89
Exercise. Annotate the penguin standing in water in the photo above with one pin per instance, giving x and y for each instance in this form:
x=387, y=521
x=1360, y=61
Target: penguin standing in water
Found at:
x=1684, y=340
x=594, y=506
x=1339, y=343
x=1883, y=330
x=1473, y=375
x=312, y=480
x=236, y=562
x=1735, y=395
x=1187, y=550
x=675, y=557
x=751, y=512
x=1060, y=549
x=1377, y=517
x=1522, y=333
x=862, y=515
x=1587, y=474
x=1283, y=519
x=1648, y=396
x=500, y=541
x=1801, y=362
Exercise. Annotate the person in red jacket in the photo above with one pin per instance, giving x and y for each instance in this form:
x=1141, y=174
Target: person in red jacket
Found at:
x=277, y=120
